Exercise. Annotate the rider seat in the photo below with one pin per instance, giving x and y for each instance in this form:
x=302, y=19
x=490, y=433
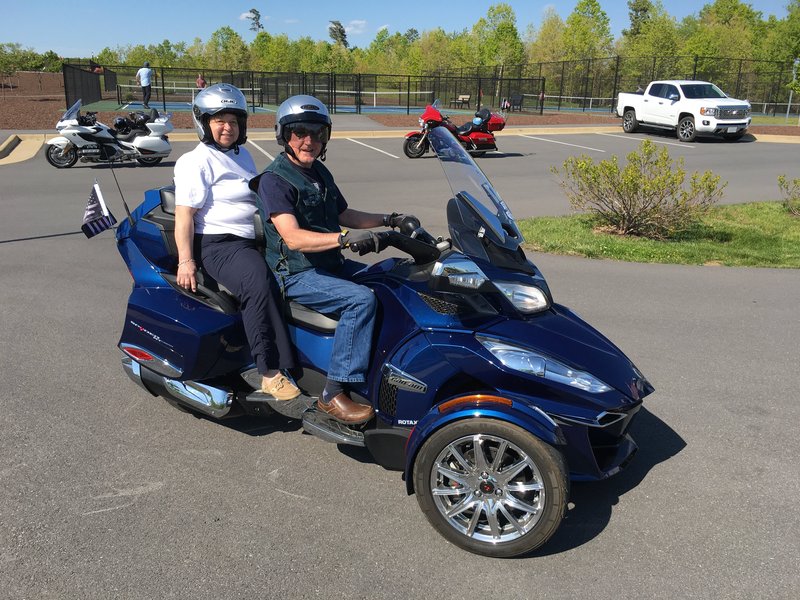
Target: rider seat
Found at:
x=295, y=312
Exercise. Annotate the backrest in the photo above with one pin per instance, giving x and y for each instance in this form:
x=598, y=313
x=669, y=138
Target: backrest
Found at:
x=464, y=96
x=168, y=199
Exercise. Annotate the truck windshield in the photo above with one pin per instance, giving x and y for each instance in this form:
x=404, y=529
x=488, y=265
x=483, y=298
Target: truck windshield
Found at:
x=702, y=90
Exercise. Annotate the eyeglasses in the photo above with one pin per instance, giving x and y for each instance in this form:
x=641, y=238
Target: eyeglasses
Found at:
x=317, y=131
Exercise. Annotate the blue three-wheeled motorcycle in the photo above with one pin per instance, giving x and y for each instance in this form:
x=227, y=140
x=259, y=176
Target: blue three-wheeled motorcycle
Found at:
x=488, y=395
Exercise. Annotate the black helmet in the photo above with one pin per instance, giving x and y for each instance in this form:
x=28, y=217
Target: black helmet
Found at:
x=122, y=125
x=219, y=99
x=300, y=109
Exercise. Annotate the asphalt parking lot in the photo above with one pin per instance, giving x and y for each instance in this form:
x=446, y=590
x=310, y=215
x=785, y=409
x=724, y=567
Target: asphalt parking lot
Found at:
x=106, y=492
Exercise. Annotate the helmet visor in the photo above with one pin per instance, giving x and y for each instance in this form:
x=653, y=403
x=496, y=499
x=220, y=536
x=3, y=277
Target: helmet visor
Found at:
x=318, y=131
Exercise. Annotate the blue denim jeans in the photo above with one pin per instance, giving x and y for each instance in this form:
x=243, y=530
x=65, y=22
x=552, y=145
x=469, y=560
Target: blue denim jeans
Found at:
x=355, y=306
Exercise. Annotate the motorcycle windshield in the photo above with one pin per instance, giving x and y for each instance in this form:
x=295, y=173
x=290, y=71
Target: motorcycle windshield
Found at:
x=475, y=214
x=72, y=112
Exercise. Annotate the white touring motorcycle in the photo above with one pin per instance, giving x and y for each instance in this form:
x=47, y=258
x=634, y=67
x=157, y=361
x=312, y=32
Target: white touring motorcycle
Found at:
x=83, y=137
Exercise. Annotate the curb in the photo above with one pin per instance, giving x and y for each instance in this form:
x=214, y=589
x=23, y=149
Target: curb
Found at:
x=9, y=145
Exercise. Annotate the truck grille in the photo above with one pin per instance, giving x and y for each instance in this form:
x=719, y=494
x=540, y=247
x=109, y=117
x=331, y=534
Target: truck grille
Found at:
x=734, y=112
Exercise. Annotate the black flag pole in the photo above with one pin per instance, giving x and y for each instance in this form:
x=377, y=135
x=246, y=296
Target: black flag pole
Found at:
x=125, y=204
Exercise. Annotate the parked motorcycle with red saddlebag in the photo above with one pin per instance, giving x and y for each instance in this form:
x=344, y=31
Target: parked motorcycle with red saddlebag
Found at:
x=476, y=137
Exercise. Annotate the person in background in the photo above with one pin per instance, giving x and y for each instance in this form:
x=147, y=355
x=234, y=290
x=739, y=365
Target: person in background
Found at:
x=304, y=212
x=214, y=227
x=200, y=81
x=144, y=77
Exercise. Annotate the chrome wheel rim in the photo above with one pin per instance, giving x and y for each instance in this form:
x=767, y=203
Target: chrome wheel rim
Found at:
x=58, y=157
x=487, y=488
x=687, y=129
x=627, y=122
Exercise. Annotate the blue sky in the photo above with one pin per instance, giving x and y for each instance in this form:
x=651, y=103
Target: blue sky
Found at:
x=85, y=28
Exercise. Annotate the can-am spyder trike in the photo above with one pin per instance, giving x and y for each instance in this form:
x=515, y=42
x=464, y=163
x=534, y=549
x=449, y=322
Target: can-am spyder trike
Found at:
x=489, y=396
x=83, y=137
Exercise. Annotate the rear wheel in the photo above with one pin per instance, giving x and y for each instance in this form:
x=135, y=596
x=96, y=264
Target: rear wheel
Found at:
x=629, y=121
x=59, y=159
x=686, y=129
x=414, y=146
x=149, y=162
x=491, y=487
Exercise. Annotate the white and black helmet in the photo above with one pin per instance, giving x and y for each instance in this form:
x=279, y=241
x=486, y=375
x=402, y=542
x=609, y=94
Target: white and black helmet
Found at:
x=216, y=99
x=300, y=109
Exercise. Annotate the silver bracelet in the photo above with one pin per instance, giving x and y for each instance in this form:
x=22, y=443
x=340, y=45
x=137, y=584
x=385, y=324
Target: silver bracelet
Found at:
x=183, y=262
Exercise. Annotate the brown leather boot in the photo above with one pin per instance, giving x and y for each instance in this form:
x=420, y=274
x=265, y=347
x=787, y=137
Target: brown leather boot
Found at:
x=344, y=410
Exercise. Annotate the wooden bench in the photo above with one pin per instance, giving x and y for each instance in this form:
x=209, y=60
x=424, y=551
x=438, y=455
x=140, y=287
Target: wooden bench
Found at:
x=461, y=101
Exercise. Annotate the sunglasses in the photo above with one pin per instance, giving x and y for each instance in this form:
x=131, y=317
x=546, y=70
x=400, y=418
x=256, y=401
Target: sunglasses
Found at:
x=317, y=131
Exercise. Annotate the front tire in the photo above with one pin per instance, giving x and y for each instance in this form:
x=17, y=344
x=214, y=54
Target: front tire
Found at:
x=61, y=160
x=491, y=487
x=149, y=162
x=686, y=129
x=414, y=146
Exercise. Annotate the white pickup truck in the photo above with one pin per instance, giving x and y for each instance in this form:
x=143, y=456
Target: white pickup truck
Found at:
x=690, y=107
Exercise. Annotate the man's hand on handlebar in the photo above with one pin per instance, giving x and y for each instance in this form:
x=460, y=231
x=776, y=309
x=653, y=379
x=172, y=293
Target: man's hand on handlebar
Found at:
x=406, y=223
x=363, y=242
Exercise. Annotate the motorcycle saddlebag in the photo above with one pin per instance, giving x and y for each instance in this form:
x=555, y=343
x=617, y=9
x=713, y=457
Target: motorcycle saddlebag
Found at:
x=496, y=122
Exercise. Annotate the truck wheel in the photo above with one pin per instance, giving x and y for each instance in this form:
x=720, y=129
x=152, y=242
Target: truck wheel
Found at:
x=629, y=122
x=491, y=487
x=686, y=130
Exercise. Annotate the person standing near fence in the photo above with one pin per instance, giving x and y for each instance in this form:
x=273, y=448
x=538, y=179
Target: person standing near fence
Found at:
x=144, y=77
x=200, y=81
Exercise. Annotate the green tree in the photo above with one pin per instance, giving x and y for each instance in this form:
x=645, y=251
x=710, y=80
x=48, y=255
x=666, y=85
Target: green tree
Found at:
x=338, y=34
x=497, y=38
x=587, y=33
x=227, y=50
x=639, y=12
x=255, y=20
x=546, y=44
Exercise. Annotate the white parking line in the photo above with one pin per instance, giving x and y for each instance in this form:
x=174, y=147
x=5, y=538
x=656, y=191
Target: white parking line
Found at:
x=372, y=147
x=627, y=137
x=260, y=149
x=533, y=137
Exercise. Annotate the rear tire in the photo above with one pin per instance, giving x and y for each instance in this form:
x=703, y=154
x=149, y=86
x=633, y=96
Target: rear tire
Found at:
x=149, y=162
x=629, y=121
x=686, y=130
x=413, y=148
x=61, y=160
x=491, y=487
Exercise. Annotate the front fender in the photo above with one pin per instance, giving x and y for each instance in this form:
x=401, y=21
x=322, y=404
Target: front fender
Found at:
x=59, y=141
x=507, y=408
x=412, y=134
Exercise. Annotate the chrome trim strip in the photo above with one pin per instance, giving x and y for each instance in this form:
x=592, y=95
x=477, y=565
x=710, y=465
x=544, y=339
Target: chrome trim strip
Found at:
x=401, y=379
x=610, y=418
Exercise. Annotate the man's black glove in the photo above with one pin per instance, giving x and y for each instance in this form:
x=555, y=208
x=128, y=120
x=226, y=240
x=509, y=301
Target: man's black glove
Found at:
x=363, y=241
x=395, y=220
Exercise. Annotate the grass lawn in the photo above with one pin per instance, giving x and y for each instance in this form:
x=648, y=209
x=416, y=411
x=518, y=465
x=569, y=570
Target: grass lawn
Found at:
x=758, y=234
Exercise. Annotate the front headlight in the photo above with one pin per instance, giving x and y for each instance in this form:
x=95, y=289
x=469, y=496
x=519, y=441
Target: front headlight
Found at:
x=535, y=363
x=525, y=298
x=709, y=111
x=421, y=122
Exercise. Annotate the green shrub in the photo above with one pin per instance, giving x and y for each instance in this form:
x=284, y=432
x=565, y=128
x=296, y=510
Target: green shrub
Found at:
x=791, y=194
x=647, y=198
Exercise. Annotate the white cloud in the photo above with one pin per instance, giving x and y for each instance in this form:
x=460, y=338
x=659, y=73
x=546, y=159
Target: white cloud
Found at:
x=382, y=27
x=244, y=15
x=355, y=27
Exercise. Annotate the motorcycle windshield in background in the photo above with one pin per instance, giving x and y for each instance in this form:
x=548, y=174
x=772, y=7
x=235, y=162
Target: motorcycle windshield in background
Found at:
x=476, y=210
x=72, y=112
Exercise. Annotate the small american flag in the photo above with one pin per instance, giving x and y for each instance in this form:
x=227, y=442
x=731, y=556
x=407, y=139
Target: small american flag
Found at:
x=97, y=217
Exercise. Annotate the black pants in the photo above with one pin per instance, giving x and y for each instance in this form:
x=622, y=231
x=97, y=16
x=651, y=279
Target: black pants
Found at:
x=146, y=91
x=237, y=264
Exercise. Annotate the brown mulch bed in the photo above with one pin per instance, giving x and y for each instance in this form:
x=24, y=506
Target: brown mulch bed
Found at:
x=42, y=113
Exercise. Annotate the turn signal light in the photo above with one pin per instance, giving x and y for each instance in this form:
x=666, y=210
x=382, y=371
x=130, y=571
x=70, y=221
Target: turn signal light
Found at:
x=474, y=400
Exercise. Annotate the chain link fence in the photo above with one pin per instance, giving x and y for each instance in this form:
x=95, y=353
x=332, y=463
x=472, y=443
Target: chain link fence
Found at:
x=582, y=85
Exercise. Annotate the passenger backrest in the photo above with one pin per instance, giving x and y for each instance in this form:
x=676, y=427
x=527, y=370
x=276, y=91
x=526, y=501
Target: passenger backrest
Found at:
x=168, y=199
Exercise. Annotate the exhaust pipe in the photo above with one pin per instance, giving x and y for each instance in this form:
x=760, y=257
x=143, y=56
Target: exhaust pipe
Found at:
x=211, y=401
